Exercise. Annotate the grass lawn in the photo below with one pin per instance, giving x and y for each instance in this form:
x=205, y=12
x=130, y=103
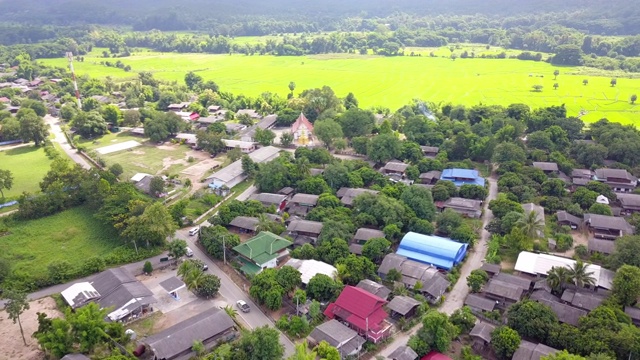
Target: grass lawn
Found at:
x=395, y=81
x=73, y=235
x=28, y=165
x=148, y=158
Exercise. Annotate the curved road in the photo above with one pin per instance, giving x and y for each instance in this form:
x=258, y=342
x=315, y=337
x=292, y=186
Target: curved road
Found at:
x=54, y=123
x=455, y=299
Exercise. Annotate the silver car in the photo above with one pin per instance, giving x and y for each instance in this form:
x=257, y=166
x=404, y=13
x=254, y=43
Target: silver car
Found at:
x=244, y=307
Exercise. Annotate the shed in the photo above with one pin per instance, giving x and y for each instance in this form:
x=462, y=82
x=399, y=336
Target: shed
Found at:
x=434, y=250
x=172, y=285
x=403, y=306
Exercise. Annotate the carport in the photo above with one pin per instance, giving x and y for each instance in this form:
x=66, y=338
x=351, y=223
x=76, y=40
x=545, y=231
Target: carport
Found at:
x=172, y=285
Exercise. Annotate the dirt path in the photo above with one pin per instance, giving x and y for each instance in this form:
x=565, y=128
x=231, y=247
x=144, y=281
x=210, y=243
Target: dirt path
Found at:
x=10, y=339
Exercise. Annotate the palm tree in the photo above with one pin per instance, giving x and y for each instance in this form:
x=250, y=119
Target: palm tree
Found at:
x=232, y=312
x=193, y=279
x=303, y=167
x=580, y=276
x=531, y=225
x=558, y=277
x=264, y=223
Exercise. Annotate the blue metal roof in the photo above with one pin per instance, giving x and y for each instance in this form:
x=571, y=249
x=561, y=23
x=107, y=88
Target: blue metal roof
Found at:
x=462, y=176
x=435, y=250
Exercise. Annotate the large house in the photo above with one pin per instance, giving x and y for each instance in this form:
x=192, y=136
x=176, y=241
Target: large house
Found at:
x=211, y=327
x=607, y=227
x=618, y=179
x=630, y=203
x=466, y=207
x=362, y=311
x=434, y=284
x=302, y=130
x=433, y=250
x=261, y=252
x=462, y=177
x=115, y=289
x=233, y=174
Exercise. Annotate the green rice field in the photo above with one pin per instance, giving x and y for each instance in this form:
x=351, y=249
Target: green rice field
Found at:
x=394, y=81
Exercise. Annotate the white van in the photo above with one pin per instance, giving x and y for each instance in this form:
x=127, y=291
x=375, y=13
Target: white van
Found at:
x=189, y=252
x=194, y=231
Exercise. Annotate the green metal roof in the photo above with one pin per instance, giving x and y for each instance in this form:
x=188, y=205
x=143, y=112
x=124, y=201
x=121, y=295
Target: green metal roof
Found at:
x=249, y=268
x=262, y=247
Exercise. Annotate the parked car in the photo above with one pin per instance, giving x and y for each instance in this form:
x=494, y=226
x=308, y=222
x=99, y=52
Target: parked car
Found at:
x=189, y=252
x=205, y=267
x=243, y=306
x=194, y=231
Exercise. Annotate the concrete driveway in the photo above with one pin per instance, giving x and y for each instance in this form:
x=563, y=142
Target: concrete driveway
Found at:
x=232, y=293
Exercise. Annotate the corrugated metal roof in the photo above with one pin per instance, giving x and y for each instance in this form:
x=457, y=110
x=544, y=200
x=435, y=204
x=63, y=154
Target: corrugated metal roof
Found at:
x=540, y=264
x=429, y=249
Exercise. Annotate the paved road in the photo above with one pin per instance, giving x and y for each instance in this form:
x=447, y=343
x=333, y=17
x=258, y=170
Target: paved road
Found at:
x=455, y=299
x=245, y=194
x=54, y=123
x=231, y=291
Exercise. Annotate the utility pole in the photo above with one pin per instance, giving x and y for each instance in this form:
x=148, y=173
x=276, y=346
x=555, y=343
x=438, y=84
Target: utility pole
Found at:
x=75, y=82
x=224, y=249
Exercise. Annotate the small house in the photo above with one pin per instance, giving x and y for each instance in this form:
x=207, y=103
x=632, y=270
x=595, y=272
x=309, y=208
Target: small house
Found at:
x=403, y=307
x=491, y=269
x=374, y=288
x=349, y=194
x=630, y=203
x=581, y=177
x=566, y=219
x=530, y=351
x=310, y=268
x=581, y=299
x=249, y=112
x=268, y=199
x=430, y=151
x=607, y=227
x=634, y=314
x=566, y=314
x=395, y=167
x=346, y=340
x=179, y=106
x=243, y=224
x=430, y=177
x=504, y=293
x=620, y=180
x=304, y=231
x=547, y=167
x=479, y=304
x=434, y=284
x=466, y=207
x=481, y=335
x=403, y=353
x=361, y=237
x=244, y=146
x=300, y=204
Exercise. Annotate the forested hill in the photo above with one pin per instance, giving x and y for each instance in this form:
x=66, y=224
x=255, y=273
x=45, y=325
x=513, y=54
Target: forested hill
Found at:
x=594, y=16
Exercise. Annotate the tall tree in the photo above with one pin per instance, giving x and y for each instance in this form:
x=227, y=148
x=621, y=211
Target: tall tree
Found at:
x=384, y=147
x=33, y=128
x=626, y=285
x=558, y=277
x=6, y=181
x=356, y=122
x=15, y=305
x=505, y=341
x=436, y=333
x=531, y=225
x=327, y=131
x=532, y=319
x=259, y=344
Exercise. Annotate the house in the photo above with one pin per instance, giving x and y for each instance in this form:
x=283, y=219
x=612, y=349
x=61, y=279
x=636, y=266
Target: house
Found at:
x=430, y=151
x=465, y=207
x=211, y=327
x=361, y=237
x=374, y=288
x=403, y=306
x=595, y=245
x=491, y=269
x=607, y=227
x=300, y=204
x=547, y=167
x=630, y=203
x=269, y=199
x=249, y=112
x=504, y=293
x=261, y=252
x=189, y=139
x=566, y=219
x=234, y=127
x=403, y=353
x=138, y=176
x=481, y=335
x=434, y=284
x=232, y=175
x=362, y=311
x=618, y=179
x=514, y=280
x=310, y=268
x=585, y=300
x=243, y=224
x=144, y=184
x=244, y=146
x=539, y=264
x=531, y=351
x=566, y=314
x=581, y=177
x=479, y=304
x=395, y=167
x=539, y=210
x=302, y=131
x=349, y=194
x=114, y=289
x=304, y=231
x=437, y=251
x=430, y=177
x=634, y=314
x=434, y=355
x=462, y=177
x=214, y=108
x=178, y=107
x=101, y=99
x=346, y=340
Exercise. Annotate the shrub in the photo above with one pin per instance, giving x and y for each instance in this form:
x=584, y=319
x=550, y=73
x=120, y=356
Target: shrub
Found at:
x=92, y=265
x=564, y=242
x=582, y=251
x=147, y=268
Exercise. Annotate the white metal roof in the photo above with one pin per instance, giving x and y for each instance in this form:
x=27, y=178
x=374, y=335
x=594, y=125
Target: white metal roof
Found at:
x=540, y=264
x=71, y=293
x=310, y=268
x=139, y=176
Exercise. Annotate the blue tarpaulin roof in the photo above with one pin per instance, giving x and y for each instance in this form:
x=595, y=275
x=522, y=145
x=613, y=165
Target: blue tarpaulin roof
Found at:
x=435, y=250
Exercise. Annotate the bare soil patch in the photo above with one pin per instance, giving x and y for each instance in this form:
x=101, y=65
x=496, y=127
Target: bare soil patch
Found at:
x=10, y=338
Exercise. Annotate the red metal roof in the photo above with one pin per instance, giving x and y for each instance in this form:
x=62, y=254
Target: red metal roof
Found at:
x=434, y=355
x=359, y=308
x=300, y=121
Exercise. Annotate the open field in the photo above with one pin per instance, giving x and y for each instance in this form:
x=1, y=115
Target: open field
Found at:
x=147, y=158
x=73, y=235
x=28, y=165
x=394, y=81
